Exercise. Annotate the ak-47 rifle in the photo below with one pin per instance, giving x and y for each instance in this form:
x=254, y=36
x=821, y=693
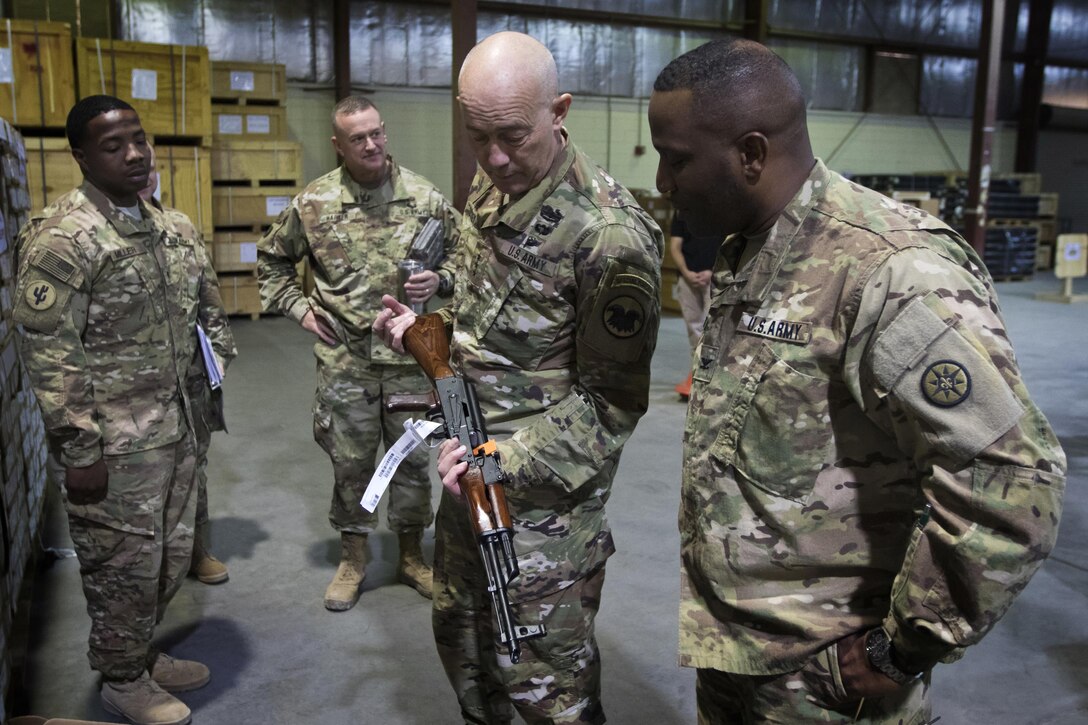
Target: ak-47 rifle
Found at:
x=454, y=405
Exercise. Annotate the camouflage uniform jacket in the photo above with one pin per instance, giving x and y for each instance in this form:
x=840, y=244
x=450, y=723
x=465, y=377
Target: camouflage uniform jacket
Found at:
x=354, y=238
x=109, y=306
x=554, y=321
x=860, y=448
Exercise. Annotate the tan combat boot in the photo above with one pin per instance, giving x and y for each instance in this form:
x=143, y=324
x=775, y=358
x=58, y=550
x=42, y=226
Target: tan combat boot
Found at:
x=205, y=567
x=174, y=675
x=343, y=592
x=411, y=569
x=143, y=702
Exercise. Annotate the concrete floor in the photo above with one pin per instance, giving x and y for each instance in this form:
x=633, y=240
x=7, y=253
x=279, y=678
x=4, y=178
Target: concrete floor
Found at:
x=278, y=657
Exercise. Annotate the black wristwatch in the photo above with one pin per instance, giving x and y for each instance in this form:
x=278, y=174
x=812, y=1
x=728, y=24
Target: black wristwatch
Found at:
x=878, y=648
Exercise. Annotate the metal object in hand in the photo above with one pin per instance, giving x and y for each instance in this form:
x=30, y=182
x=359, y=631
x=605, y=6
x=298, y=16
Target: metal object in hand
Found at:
x=405, y=269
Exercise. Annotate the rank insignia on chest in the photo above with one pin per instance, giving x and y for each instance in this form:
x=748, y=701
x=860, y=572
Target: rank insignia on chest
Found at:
x=624, y=316
x=798, y=333
x=40, y=295
x=946, y=383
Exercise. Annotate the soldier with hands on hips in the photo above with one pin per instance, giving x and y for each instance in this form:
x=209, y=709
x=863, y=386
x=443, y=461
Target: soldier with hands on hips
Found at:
x=354, y=224
x=109, y=294
x=867, y=484
x=554, y=320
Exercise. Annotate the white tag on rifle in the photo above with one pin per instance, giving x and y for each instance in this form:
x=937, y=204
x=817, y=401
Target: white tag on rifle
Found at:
x=414, y=433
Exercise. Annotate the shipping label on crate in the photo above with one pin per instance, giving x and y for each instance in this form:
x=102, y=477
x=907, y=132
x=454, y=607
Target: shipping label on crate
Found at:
x=230, y=123
x=247, y=252
x=145, y=84
x=241, y=80
x=7, y=73
x=258, y=123
x=273, y=205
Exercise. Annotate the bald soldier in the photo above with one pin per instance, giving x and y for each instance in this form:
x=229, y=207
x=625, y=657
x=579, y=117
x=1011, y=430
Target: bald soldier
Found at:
x=867, y=484
x=554, y=321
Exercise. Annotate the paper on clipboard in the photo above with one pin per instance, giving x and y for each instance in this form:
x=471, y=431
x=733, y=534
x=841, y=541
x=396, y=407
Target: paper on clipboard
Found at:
x=212, y=366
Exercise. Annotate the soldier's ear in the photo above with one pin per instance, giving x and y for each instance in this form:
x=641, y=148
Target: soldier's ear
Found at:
x=81, y=158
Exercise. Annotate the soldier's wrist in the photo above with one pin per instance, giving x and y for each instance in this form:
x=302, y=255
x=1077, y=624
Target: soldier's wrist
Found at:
x=445, y=284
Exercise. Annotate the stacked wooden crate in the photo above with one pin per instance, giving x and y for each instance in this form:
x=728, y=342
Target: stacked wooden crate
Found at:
x=22, y=436
x=256, y=171
x=166, y=84
x=37, y=89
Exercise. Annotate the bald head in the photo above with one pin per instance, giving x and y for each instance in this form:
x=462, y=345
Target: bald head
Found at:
x=508, y=89
x=513, y=61
x=740, y=86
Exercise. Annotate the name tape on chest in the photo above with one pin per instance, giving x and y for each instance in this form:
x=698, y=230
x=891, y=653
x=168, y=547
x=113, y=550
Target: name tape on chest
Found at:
x=798, y=333
x=528, y=260
x=124, y=253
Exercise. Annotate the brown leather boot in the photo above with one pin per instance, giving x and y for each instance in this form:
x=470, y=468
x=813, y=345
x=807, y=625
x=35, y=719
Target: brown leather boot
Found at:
x=343, y=592
x=411, y=569
x=205, y=567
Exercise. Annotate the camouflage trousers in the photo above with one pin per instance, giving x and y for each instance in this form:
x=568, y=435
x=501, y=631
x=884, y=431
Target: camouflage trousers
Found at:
x=813, y=694
x=558, y=679
x=131, y=567
x=351, y=424
x=207, y=418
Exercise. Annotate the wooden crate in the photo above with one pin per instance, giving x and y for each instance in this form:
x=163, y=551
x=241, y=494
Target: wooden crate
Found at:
x=257, y=162
x=235, y=251
x=185, y=183
x=166, y=84
x=249, y=82
x=240, y=294
x=248, y=123
x=244, y=206
x=37, y=76
x=1048, y=204
x=670, y=291
x=50, y=171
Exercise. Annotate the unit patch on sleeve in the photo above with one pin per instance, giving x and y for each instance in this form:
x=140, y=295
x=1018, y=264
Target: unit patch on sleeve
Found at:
x=40, y=295
x=799, y=333
x=624, y=317
x=946, y=383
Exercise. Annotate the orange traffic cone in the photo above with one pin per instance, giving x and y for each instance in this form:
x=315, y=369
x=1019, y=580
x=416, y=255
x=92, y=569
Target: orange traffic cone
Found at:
x=684, y=388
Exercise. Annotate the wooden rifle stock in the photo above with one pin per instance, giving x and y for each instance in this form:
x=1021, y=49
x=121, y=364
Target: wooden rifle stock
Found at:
x=481, y=484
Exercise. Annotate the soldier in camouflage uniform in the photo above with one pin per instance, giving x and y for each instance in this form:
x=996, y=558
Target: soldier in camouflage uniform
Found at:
x=867, y=484
x=109, y=293
x=554, y=321
x=354, y=224
x=206, y=405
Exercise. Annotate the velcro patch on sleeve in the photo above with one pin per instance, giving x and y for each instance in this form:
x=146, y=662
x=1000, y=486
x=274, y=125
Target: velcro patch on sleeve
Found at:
x=625, y=310
x=943, y=381
x=49, y=261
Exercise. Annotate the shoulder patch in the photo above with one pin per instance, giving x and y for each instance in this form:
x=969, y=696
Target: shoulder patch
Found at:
x=56, y=265
x=623, y=316
x=946, y=383
x=40, y=295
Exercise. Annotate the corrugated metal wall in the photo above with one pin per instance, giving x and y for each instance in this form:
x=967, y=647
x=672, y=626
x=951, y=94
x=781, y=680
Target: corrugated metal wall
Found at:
x=408, y=44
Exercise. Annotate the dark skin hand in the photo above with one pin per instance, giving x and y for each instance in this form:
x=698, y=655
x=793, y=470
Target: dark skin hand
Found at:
x=87, y=485
x=858, y=677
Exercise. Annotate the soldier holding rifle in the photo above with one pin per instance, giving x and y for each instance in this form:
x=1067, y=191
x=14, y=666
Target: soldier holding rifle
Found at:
x=553, y=321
